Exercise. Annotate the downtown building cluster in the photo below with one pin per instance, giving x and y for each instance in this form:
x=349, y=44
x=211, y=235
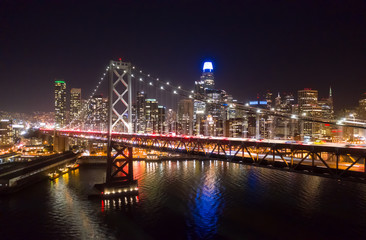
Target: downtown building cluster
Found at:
x=214, y=112
x=91, y=114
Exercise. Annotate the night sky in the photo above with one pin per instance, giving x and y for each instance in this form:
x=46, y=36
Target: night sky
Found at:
x=254, y=45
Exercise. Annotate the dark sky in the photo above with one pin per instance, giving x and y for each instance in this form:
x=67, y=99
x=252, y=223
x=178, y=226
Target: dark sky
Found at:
x=255, y=45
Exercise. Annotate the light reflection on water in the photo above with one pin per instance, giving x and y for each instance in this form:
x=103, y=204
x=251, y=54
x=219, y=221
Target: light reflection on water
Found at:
x=189, y=200
x=206, y=206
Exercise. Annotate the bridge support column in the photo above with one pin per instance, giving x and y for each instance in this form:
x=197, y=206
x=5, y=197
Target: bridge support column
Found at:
x=119, y=175
x=60, y=143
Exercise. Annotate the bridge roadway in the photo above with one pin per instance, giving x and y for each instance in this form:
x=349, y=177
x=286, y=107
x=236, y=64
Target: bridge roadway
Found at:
x=330, y=159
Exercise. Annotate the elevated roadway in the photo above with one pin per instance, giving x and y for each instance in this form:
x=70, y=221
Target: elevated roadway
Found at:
x=333, y=159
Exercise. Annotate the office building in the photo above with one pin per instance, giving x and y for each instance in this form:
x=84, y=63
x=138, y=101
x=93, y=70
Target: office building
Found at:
x=308, y=106
x=151, y=115
x=206, y=80
x=185, y=116
x=60, y=103
x=161, y=123
x=75, y=103
x=140, y=118
x=97, y=113
x=6, y=132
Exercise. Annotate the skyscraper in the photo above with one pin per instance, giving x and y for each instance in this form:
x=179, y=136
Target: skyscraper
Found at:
x=97, y=112
x=60, y=103
x=205, y=84
x=308, y=106
x=75, y=103
x=151, y=115
x=206, y=80
x=207, y=76
x=185, y=116
x=161, y=119
x=140, y=123
x=326, y=104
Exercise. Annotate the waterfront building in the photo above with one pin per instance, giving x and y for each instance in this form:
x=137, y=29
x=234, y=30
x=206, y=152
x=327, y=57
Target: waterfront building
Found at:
x=60, y=103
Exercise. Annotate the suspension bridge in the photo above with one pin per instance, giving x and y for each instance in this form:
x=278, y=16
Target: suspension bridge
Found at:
x=158, y=128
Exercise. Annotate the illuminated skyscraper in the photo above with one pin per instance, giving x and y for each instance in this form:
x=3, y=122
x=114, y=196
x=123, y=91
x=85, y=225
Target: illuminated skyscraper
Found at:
x=97, y=113
x=308, y=106
x=326, y=105
x=206, y=80
x=60, y=103
x=202, y=86
x=75, y=103
x=207, y=76
x=151, y=115
x=140, y=123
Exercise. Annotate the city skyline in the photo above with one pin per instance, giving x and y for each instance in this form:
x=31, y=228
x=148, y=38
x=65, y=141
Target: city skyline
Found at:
x=284, y=48
x=182, y=119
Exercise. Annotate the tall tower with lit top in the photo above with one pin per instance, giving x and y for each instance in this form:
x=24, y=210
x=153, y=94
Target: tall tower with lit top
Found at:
x=207, y=76
x=60, y=103
x=206, y=80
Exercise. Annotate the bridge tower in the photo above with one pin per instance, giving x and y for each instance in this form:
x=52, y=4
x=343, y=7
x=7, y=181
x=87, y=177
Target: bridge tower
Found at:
x=120, y=97
x=119, y=175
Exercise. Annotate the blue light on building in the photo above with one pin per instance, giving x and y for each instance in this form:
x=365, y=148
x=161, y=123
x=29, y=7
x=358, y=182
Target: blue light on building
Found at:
x=207, y=67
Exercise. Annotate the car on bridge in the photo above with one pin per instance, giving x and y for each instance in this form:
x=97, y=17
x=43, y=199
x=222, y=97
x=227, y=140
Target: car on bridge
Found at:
x=319, y=142
x=355, y=145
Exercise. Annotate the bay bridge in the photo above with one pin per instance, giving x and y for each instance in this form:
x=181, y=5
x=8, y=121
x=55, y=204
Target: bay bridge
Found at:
x=121, y=131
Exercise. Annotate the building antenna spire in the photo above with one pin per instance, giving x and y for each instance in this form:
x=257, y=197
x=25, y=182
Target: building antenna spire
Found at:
x=330, y=91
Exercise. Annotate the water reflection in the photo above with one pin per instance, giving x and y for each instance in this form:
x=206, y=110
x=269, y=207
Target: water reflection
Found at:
x=189, y=199
x=206, y=205
x=123, y=203
x=68, y=210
